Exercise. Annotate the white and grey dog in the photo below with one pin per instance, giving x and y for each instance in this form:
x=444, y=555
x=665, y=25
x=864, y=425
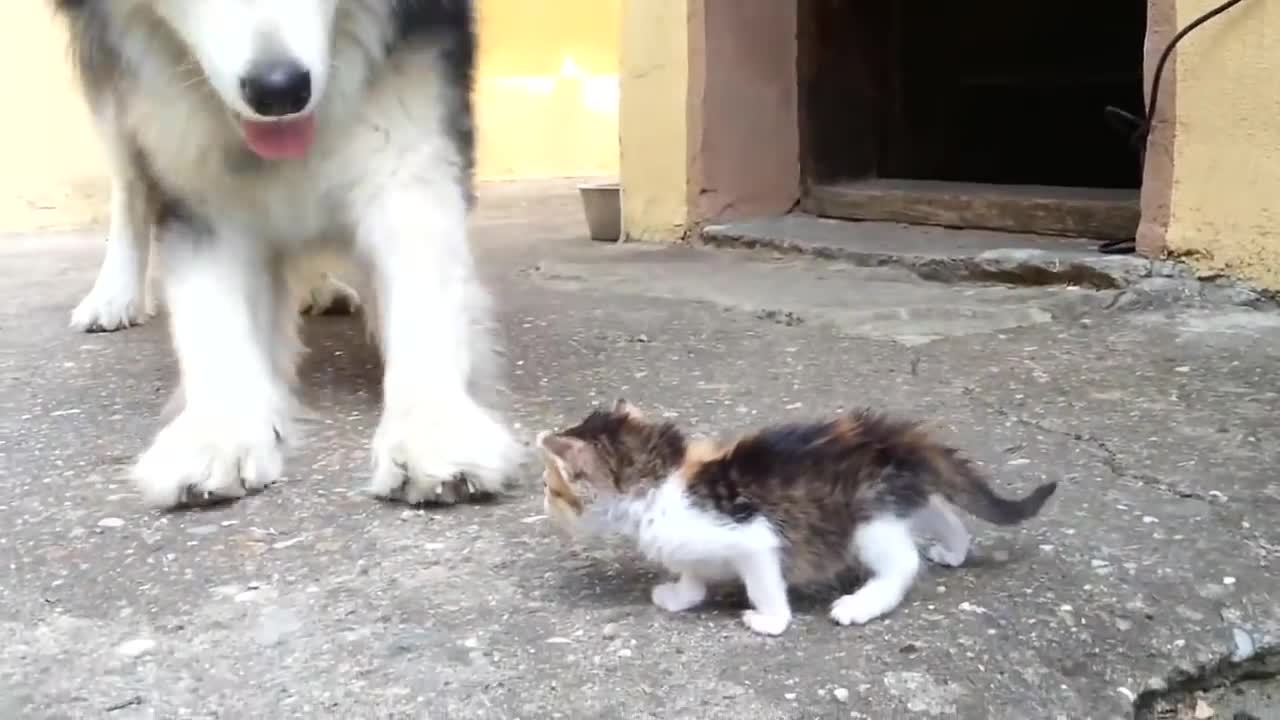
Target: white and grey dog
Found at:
x=255, y=140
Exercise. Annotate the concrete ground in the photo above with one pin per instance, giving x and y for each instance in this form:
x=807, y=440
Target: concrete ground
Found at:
x=1156, y=559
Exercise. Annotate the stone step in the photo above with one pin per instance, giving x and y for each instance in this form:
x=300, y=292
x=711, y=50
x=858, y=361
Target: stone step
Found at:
x=947, y=254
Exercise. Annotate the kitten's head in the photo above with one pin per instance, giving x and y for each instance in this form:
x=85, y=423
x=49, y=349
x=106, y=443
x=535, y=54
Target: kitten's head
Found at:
x=608, y=456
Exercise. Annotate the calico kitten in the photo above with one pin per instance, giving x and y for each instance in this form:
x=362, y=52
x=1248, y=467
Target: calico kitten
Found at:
x=791, y=505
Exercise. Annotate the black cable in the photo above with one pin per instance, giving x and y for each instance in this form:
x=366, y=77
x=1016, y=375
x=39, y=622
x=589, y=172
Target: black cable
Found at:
x=1142, y=126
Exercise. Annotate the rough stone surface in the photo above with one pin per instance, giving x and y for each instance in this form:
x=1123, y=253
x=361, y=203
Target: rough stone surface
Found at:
x=312, y=601
x=953, y=256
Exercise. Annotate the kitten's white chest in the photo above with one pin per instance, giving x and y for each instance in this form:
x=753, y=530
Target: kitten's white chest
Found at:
x=686, y=538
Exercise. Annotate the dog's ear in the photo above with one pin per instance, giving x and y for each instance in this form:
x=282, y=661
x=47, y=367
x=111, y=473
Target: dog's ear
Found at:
x=622, y=407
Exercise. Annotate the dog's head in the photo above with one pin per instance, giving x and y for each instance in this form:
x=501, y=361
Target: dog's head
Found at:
x=269, y=61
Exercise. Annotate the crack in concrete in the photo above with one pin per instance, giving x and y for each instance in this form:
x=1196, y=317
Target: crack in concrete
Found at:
x=1183, y=686
x=1108, y=455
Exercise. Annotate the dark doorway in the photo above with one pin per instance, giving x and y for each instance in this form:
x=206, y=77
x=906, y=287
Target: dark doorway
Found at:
x=1000, y=100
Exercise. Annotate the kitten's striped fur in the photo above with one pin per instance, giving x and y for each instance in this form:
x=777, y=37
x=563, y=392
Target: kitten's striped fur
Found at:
x=796, y=504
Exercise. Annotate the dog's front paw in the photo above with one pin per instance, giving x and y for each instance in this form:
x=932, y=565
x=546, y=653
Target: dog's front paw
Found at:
x=199, y=460
x=442, y=455
x=111, y=305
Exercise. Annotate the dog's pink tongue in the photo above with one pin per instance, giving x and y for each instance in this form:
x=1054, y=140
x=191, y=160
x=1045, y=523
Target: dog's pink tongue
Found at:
x=282, y=140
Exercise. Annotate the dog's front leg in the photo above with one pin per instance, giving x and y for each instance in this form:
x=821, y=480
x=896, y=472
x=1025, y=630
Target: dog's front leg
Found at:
x=436, y=442
x=225, y=296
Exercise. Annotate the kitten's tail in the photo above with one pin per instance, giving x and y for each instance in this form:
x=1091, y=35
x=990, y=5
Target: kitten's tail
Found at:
x=956, y=479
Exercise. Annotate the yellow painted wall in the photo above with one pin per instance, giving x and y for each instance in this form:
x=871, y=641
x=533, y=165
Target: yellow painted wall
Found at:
x=546, y=105
x=1225, y=205
x=654, y=118
x=547, y=88
x=51, y=166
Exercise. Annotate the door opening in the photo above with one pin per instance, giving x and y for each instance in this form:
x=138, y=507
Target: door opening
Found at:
x=987, y=114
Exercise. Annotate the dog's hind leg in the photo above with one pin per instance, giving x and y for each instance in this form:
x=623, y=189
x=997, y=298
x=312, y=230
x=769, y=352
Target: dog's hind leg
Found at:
x=320, y=292
x=315, y=285
x=330, y=296
x=119, y=296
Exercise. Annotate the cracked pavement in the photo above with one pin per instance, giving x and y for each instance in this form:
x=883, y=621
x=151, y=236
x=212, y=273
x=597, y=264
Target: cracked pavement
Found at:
x=1157, y=556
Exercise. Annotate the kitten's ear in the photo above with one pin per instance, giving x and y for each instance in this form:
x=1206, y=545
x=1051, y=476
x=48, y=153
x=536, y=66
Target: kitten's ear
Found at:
x=623, y=407
x=563, y=449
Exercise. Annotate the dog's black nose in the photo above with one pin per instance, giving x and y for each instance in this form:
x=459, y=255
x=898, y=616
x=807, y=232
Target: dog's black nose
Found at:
x=275, y=88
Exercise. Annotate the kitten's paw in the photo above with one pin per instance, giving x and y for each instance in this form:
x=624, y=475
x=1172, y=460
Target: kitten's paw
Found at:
x=678, y=596
x=854, y=610
x=940, y=555
x=765, y=624
x=445, y=455
x=198, y=460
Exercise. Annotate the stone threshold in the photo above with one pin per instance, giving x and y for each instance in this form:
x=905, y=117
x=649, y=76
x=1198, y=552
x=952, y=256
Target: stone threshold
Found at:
x=951, y=255
x=1104, y=213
